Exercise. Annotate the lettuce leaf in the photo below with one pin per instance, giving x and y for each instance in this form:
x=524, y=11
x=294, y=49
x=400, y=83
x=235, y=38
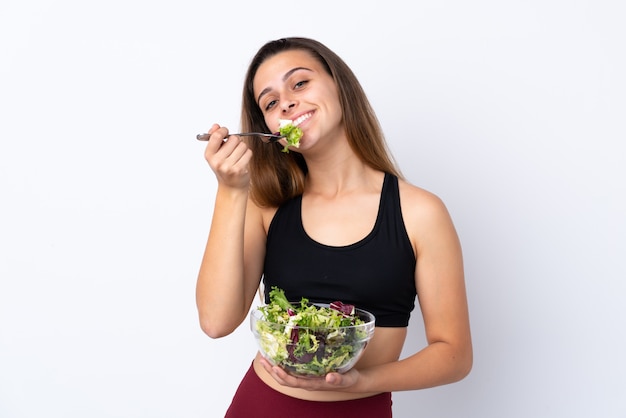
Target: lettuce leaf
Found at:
x=291, y=133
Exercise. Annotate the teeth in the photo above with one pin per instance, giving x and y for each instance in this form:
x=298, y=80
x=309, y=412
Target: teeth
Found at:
x=301, y=119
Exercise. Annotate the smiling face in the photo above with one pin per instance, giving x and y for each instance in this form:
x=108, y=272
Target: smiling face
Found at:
x=293, y=85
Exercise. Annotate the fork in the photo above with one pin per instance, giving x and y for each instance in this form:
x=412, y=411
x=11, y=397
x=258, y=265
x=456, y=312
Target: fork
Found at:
x=264, y=136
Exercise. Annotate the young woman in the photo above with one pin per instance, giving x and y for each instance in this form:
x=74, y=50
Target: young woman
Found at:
x=330, y=220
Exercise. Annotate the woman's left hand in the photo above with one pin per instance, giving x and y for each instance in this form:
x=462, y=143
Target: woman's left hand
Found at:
x=332, y=381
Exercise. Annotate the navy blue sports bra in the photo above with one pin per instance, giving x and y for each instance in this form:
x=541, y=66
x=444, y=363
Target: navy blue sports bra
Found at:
x=376, y=273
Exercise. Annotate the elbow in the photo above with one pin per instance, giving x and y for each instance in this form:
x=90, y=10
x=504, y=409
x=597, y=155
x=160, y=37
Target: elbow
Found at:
x=215, y=329
x=464, y=369
x=213, y=332
x=463, y=365
x=219, y=324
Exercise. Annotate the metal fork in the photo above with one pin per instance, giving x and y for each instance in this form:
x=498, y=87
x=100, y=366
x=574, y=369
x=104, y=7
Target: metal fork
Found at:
x=264, y=136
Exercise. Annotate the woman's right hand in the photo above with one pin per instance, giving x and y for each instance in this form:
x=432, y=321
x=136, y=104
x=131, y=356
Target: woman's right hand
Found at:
x=228, y=158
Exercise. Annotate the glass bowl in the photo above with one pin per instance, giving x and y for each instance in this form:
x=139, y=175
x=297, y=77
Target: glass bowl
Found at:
x=312, y=352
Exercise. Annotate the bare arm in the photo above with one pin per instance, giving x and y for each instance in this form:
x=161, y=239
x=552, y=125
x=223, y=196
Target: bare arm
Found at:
x=232, y=262
x=442, y=297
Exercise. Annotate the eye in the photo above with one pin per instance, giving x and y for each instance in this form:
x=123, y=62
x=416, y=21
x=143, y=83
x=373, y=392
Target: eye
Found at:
x=300, y=84
x=270, y=105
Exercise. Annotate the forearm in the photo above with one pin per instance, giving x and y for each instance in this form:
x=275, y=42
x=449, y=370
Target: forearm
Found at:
x=438, y=364
x=220, y=291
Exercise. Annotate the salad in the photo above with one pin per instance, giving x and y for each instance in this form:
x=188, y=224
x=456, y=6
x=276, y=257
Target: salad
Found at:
x=311, y=340
x=291, y=133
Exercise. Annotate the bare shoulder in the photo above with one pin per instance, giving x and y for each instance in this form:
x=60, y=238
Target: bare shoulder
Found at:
x=425, y=214
x=418, y=202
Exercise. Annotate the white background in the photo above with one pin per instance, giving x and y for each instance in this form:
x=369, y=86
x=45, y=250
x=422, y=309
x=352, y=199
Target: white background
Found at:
x=512, y=111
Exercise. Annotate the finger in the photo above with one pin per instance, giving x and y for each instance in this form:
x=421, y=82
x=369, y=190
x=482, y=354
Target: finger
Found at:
x=216, y=139
x=228, y=145
x=333, y=379
x=213, y=128
x=244, y=160
x=235, y=153
x=282, y=377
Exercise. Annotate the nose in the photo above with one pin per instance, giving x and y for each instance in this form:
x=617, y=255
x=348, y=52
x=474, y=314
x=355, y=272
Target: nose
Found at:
x=287, y=105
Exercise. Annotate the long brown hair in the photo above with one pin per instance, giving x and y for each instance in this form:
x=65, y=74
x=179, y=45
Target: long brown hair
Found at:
x=278, y=176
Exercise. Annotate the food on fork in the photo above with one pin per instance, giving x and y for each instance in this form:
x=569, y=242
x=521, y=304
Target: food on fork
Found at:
x=291, y=133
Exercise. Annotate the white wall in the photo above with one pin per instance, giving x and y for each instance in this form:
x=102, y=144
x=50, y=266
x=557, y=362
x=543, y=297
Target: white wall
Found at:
x=513, y=112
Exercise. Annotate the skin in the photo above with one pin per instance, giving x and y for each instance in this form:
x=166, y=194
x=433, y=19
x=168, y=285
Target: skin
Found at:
x=287, y=86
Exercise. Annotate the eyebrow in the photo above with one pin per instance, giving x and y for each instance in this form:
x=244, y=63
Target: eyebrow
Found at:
x=285, y=77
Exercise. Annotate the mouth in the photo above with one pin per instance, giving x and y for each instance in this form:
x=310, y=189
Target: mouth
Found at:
x=302, y=118
x=295, y=122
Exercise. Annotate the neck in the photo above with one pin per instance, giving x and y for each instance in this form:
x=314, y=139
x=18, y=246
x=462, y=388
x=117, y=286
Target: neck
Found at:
x=338, y=172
